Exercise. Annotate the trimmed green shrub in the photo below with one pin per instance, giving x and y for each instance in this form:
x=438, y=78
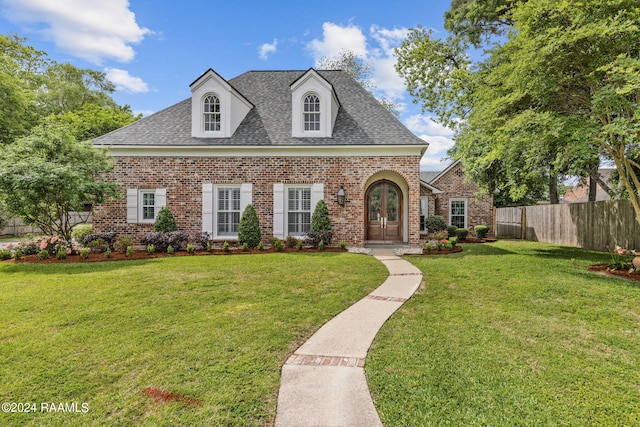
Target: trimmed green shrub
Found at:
x=454, y=241
x=191, y=249
x=299, y=245
x=98, y=246
x=108, y=237
x=343, y=245
x=249, y=227
x=61, y=254
x=5, y=254
x=129, y=251
x=43, y=254
x=170, y=250
x=451, y=230
x=81, y=231
x=321, y=245
x=291, y=242
x=151, y=249
x=225, y=247
x=17, y=254
x=261, y=246
x=462, y=234
x=278, y=245
x=165, y=223
x=320, y=225
x=107, y=253
x=481, y=231
x=245, y=246
x=84, y=253
x=435, y=223
x=123, y=243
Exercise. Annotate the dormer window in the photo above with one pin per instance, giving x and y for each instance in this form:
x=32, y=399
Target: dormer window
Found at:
x=311, y=113
x=211, y=113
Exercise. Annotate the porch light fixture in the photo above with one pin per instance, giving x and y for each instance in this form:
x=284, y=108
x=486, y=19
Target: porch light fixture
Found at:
x=342, y=196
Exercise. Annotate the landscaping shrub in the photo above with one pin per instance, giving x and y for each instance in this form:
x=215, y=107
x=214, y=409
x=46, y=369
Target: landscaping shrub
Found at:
x=43, y=254
x=481, y=231
x=129, y=251
x=343, y=245
x=299, y=245
x=98, y=246
x=291, y=242
x=151, y=249
x=53, y=244
x=191, y=249
x=84, y=252
x=108, y=237
x=261, y=246
x=170, y=250
x=451, y=230
x=107, y=253
x=321, y=245
x=453, y=241
x=27, y=246
x=249, y=227
x=81, y=231
x=225, y=247
x=278, y=245
x=123, y=243
x=177, y=239
x=165, y=223
x=5, y=254
x=201, y=240
x=320, y=225
x=440, y=235
x=435, y=223
x=61, y=254
x=462, y=234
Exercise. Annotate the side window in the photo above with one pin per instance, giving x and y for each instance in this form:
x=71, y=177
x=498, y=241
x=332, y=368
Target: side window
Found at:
x=424, y=213
x=228, y=210
x=298, y=210
x=458, y=212
x=148, y=205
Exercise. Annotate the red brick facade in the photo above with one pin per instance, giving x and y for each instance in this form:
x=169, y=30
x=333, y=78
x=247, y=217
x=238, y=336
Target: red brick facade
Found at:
x=183, y=177
x=453, y=185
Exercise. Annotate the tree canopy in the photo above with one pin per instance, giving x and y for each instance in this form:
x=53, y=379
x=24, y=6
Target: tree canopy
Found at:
x=556, y=90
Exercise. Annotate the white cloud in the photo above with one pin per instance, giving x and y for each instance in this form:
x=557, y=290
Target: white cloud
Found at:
x=267, y=49
x=426, y=125
x=94, y=30
x=336, y=39
x=124, y=81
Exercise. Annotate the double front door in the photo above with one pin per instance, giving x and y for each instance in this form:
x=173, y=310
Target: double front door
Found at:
x=384, y=222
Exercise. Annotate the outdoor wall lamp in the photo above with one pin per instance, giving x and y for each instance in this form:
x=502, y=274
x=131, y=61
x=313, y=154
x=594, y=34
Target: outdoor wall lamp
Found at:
x=342, y=196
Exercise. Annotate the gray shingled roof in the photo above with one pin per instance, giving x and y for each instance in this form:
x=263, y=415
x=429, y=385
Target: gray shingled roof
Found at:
x=429, y=176
x=361, y=119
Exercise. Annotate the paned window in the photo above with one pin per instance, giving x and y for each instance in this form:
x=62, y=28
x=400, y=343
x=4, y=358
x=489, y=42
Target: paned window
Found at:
x=211, y=114
x=148, y=205
x=458, y=212
x=311, y=113
x=228, y=210
x=424, y=213
x=299, y=211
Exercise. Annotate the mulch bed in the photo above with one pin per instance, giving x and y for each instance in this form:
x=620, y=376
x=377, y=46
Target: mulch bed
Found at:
x=442, y=251
x=138, y=255
x=608, y=271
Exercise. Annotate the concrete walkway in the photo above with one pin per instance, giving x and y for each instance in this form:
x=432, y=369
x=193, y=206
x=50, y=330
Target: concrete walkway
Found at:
x=323, y=382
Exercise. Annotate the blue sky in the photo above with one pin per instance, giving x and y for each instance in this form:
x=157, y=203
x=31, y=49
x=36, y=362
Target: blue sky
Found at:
x=153, y=50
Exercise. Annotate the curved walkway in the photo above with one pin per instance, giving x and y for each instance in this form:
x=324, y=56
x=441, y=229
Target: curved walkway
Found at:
x=323, y=383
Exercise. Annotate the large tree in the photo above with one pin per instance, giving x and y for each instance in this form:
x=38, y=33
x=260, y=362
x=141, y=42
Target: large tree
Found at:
x=48, y=174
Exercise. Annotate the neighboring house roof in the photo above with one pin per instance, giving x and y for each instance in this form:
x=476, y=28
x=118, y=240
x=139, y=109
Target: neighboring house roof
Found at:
x=580, y=192
x=361, y=119
x=430, y=178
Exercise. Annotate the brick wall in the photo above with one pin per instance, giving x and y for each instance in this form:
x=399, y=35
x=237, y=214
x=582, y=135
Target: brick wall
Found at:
x=183, y=177
x=479, y=211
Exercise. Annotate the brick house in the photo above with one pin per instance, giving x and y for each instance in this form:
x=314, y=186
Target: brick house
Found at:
x=280, y=140
x=447, y=194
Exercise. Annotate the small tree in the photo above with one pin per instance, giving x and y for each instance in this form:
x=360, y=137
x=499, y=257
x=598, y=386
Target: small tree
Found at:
x=320, y=225
x=165, y=223
x=249, y=228
x=47, y=174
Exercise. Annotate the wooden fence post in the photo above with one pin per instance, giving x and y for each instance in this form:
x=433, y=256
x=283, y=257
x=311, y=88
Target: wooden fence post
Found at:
x=523, y=223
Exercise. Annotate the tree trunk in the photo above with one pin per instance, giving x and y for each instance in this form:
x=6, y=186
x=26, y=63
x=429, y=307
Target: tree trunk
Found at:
x=553, y=189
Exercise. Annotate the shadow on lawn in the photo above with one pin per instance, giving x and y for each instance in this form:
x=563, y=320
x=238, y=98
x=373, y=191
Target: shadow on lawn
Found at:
x=481, y=249
x=72, y=268
x=570, y=253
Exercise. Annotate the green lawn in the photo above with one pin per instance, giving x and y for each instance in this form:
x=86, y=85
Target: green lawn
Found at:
x=212, y=328
x=511, y=334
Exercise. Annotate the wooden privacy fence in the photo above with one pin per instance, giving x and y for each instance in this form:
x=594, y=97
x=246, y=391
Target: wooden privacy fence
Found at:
x=597, y=225
x=18, y=228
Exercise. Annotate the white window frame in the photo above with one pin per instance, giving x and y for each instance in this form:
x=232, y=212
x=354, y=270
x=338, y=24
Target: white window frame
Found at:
x=424, y=208
x=316, y=122
x=299, y=189
x=466, y=210
x=218, y=210
x=210, y=203
x=212, y=114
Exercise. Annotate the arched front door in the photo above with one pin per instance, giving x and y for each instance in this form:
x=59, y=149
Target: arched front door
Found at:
x=384, y=212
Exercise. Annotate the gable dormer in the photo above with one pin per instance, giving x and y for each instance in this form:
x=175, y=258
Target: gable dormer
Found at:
x=217, y=109
x=314, y=106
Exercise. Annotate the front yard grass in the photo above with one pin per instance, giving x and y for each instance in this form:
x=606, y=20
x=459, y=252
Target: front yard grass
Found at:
x=216, y=329
x=511, y=334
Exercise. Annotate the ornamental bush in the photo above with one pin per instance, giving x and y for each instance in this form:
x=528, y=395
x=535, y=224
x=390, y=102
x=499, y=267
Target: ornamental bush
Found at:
x=462, y=234
x=249, y=228
x=165, y=223
x=108, y=237
x=81, y=231
x=451, y=230
x=481, y=231
x=320, y=225
x=435, y=223
x=123, y=243
x=161, y=241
